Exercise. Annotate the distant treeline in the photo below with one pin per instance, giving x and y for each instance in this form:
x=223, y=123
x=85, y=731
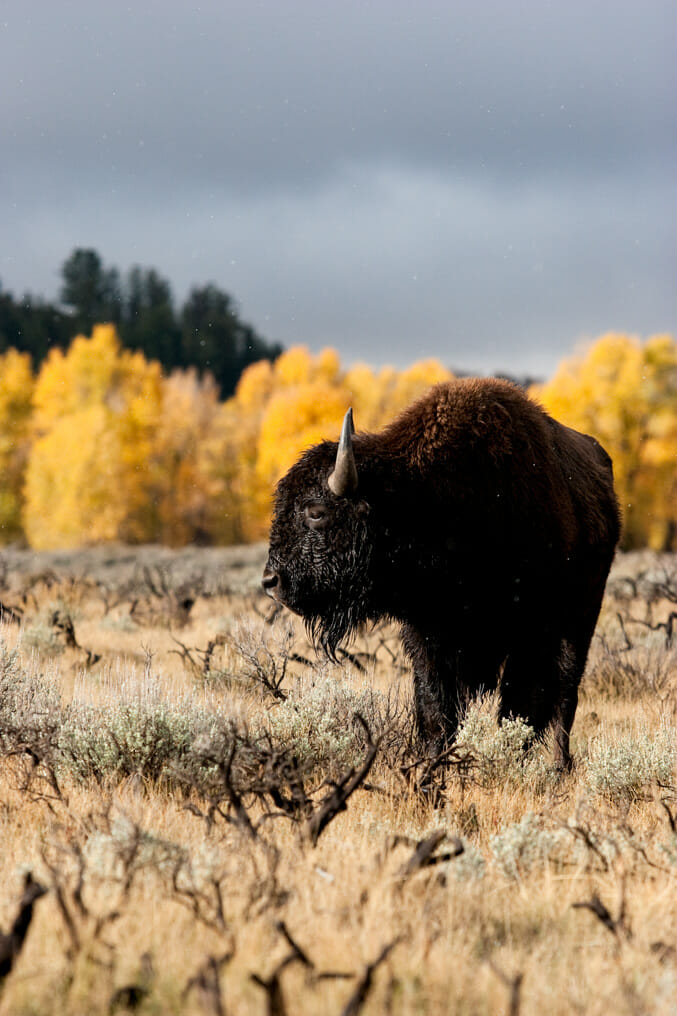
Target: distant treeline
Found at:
x=205, y=332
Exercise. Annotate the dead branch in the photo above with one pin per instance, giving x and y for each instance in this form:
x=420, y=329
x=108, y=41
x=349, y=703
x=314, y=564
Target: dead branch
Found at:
x=207, y=908
x=12, y=943
x=314, y=974
x=618, y=926
x=63, y=622
x=296, y=948
x=514, y=985
x=669, y=626
x=421, y=772
x=272, y=987
x=666, y=953
x=13, y=614
x=424, y=855
x=157, y=601
x=362, y=989
x=353, y=658
x=335, y=802
x=600, y=911
x=207, y=655
x=36, y=774
x=130, y=996
x=207, y=982
x=264, y=666
x=639, y=847
x=199, y=661
x=242, y=818
x=672, y=820
x=628, y=644
x=65, y=910
x=585, y=834
x=186, y=655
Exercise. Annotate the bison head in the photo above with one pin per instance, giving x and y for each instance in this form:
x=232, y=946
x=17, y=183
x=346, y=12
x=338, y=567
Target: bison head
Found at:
x=319, y=559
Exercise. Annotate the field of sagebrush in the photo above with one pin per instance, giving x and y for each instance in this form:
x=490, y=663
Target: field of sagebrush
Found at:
x=198, y=816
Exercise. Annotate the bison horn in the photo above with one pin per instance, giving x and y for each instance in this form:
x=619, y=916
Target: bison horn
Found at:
x=343, y=480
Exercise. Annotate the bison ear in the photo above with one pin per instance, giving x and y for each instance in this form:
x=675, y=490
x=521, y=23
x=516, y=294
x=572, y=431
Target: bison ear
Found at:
x=343, y=480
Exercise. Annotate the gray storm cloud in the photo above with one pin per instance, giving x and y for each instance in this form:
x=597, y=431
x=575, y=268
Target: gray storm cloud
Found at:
x=484, y=184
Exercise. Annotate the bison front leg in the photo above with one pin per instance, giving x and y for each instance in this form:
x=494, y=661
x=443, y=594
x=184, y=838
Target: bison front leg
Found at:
x=435, y=711
x=445, y=678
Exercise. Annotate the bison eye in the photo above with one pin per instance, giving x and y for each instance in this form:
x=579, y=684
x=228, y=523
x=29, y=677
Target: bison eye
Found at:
x=316, y=516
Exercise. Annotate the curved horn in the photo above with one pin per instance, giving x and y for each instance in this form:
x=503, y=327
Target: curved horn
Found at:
x=343, y=480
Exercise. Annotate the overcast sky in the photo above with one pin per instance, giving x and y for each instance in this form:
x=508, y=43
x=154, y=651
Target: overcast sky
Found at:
x=483, y=181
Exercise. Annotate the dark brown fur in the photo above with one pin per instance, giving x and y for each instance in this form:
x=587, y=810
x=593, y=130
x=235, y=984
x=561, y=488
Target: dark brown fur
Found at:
x=483, y=526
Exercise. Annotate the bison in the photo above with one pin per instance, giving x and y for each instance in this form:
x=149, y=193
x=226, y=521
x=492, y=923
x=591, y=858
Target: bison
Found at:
x=480, y=524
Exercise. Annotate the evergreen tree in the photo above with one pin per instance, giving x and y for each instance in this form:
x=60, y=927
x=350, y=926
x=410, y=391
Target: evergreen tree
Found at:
x=206, y=332
x=32, y=326
x=148, y=322
x=214, y=339
x=91, y=291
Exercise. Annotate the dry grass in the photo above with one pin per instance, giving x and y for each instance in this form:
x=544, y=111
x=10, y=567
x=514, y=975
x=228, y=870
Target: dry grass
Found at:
x=140, y=790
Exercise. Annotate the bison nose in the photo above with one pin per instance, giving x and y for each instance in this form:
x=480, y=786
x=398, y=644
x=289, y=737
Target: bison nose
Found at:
x=269, y=581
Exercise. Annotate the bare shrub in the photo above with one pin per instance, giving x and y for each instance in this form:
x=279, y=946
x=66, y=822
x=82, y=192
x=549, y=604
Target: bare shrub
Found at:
x=158, y=599
x=621, y=668
x=265, y=652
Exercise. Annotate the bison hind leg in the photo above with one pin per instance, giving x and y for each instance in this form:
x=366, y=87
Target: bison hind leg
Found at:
x=540, y=685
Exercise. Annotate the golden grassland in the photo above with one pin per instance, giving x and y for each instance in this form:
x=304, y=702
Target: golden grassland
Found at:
x=547, y=894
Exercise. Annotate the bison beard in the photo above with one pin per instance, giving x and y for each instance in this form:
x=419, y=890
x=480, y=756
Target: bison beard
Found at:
x=338, y=605
x=478, y=522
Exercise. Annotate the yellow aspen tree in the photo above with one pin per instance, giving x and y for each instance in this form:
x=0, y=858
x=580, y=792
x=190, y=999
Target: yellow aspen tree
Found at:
x=182, y=490
x=624, y=393
x=411, y=383
x=378, y=397
x=281, y=410
x=293, y=367
x=237, y=508
x=367, y=392
x=96, y=410
x=660, y=450
x=231, y=458
x=276, y=411
x=294, y=420
x=16, y=392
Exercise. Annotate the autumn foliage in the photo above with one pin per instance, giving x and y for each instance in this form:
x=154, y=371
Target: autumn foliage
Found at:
x=624, y=393
x=100, y=446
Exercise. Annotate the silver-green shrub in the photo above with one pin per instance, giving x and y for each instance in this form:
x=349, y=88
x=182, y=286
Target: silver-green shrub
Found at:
x=137, y=733
x=505, y=751
x=533, y=843
x=522, y=847
x=43, y=636
x=317, y=721
x=30, y=708
x=148, y=739
x=669, y=850
x=469, y=866
x=627, y=766
x=122, y=849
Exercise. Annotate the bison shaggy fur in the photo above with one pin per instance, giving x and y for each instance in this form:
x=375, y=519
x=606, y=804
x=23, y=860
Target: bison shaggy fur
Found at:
x=480, y=524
